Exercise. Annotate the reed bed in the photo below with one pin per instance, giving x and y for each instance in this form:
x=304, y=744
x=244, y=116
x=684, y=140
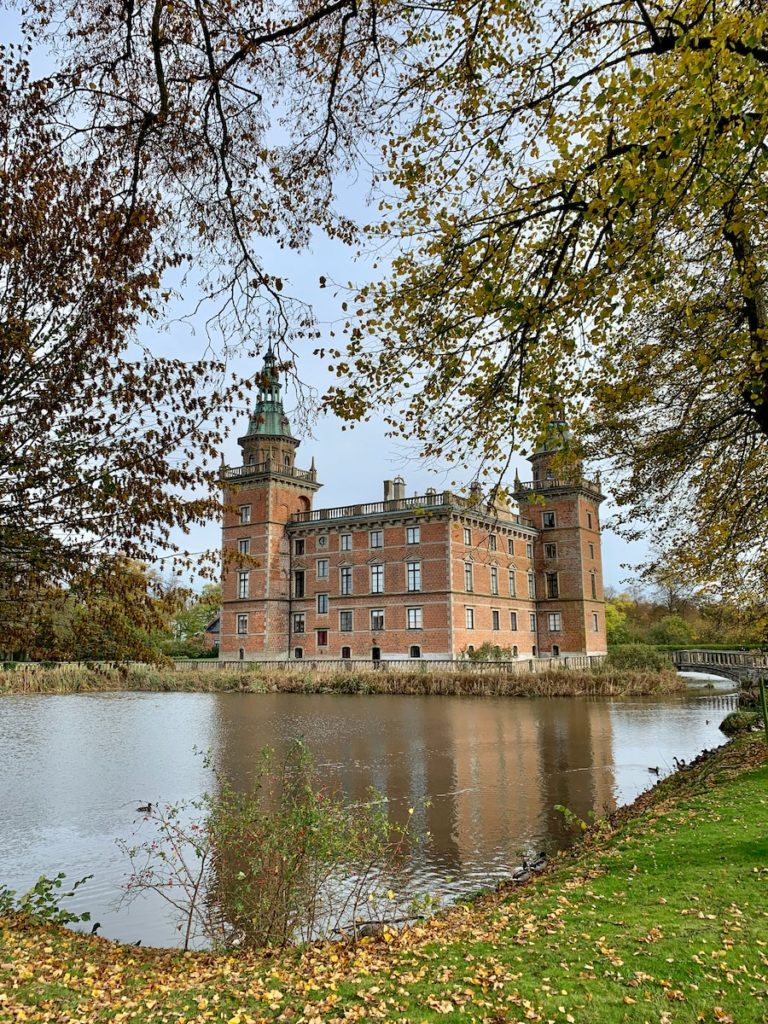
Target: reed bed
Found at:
x=601, y=681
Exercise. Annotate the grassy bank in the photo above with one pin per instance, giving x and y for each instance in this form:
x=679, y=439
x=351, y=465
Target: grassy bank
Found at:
x=660, y=917
x=602, y=681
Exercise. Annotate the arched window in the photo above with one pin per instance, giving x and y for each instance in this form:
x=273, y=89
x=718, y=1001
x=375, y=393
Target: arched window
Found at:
x=242, y=654
x=287, y=460
x=514, y=651
x=298, y=653
x=415, y=651
x=533, y=650
x=346, y=652
x=555, y=650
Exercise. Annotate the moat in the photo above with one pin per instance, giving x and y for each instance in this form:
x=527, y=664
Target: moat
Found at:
x=483, y=775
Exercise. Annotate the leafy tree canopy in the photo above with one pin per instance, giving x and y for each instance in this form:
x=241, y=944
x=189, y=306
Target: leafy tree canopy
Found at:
x=579, y=213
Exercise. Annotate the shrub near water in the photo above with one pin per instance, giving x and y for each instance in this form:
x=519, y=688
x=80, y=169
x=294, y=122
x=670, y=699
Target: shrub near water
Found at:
x=641, y=657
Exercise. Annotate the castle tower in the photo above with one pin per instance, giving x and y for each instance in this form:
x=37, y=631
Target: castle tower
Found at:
x=564, y=506
x=260, y=496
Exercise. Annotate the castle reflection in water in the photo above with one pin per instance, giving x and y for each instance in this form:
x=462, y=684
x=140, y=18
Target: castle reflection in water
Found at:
x=483, y=775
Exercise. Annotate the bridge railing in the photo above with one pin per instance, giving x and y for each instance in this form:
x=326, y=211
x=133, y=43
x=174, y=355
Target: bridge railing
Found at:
x=725, y=659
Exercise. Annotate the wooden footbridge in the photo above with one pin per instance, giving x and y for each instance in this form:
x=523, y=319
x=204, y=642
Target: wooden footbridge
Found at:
x=740, y=666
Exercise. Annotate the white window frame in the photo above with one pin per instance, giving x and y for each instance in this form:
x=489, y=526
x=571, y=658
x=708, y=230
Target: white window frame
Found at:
x=242, y=624
x=413, y=535
x=379, y=612
x=245, y=514
x=512, y=583
x=469, y=618
x=492, y=542
x=414, y=618
x=413, y=577
x=495, y=619
x=511, y=546
x=322, y=569
x=345, y=542
x=299, y=622
x=244, y=546
x=550, y=550
x=494, y=581
x=532, y=586
x=377, y=578
x=344, y=612
x=321, y=600
x=532, y=621
x=549, y=578
x=345, y=580
x=299, y=546
x=595, y=623
x=296, y=574
x=513, y=621
x=467, y=536
x=243, y=584
x=548, y=520
x=529, y=550
x=555, y=622
x=317, y=637
x=376, y=539
x=468, y=578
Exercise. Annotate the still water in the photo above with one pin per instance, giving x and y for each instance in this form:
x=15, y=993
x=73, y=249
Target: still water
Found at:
x=483, y=774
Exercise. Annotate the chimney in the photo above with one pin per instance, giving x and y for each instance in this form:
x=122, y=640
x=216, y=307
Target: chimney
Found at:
x=399, y=487
x=389, y=488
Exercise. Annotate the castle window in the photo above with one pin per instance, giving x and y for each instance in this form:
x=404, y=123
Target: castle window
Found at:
x=414, y=618
x=513, y=620
x=241, y=654
x=595, y=623
x=377, y=579
x=377, y=538
x=414, y=575
x=412, y=534
x=377, y=619
x=554, y=622
x=593, y=584
x=468, y=577
x=492, y=542
x=467, y=535
x=533, y=651
x=346, y=579
x=345, y=542
x=531, y=585
x=242, y=624
x=555, y=650
x=244, y=546
x=298, y=622
x=298, y=583
x=550, y=550
x=592, y=551
x=494, y=580
x=553, y=585
x=514, y=651
x=470, y=649
x=548, y=520
x=589, y=520
x=322, y=604
x=286, y=460
x=532, y=621
x=298, y=653
x=346, y=653
x=529, y=550
x=469, y=618
x=512, y=583
x=322, y=637
x=511, y=546
x=251, y=459
x=345, y=622
x=495, y=619
x=415, y=651
x=242, y=584
x=376, y=654
x=245, y=514
x=298, y=547
x=322, y=568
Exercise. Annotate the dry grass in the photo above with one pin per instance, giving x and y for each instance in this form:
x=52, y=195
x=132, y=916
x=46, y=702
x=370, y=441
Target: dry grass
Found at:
x=603, y=681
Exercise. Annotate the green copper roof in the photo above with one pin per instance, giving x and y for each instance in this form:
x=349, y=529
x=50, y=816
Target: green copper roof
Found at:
x=268, y=419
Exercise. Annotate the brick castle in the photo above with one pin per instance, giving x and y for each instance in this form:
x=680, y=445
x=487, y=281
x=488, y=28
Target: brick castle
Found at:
x=425, y=577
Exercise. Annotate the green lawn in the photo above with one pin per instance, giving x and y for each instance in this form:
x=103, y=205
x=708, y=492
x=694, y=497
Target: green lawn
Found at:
x=664, y=919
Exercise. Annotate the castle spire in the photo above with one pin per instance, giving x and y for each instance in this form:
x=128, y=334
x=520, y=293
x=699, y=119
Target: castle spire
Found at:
x=268, y=418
